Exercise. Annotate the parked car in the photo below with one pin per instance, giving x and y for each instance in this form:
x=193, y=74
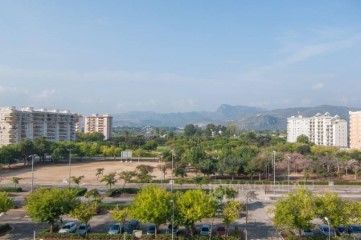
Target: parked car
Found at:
x=169, y=229
x=151, y=229
x=69, y=227
x=132, y=225
x=83, y=229
x=326, y=231
x=355, y=231
x=307, y=233
x=116, y=228
x=341, y=230
x=205, y=230
x=220, y=230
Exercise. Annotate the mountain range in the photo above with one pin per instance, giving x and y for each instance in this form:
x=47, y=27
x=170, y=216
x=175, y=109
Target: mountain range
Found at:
x=247, y=118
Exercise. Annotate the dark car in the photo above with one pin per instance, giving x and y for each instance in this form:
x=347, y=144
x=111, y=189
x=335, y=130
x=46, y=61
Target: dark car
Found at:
x=170, y=228
x=355, y=231
x=151, y=229
x=131, y=226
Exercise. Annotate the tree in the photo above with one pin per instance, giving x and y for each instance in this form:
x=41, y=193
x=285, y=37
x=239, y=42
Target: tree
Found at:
x=15, y=180
x=330, y=205
x=77, y=180
x=295, y=210
x=303, y=139
x=119, y=215
x=189, y=130
x=99, y=172
x=231, y=211
x=27, y=149
x=42, y=147
x=163, y=168
x=84, y=211
x=49, y=204
x=193, y=206
x=94, y=195
x=180, y=170
x=5, y=202
x=143, y=175
x=221, y=192
x=109, y=179
x=152, y=204
x=126, y=176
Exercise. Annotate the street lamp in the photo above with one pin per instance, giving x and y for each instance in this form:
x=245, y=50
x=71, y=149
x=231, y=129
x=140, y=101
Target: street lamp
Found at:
x=288, y=172
x=247, y=197
x=329, y=229
x=32, y=172
x=69, y=166
x=171, y=189
x=274, y=173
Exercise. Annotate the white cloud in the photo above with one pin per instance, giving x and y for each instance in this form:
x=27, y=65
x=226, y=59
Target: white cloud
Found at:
x=45, y=95
x=318, y=86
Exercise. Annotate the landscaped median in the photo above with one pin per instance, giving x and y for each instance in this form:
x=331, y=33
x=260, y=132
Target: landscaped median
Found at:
x=104, y=236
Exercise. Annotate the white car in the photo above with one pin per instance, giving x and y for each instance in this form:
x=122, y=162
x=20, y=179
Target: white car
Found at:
x=69, y=227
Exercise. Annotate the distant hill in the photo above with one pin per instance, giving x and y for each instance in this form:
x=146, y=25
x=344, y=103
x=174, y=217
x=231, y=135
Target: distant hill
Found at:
x=247, y=118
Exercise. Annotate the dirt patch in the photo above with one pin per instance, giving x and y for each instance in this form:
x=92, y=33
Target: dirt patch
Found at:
x=57, y=173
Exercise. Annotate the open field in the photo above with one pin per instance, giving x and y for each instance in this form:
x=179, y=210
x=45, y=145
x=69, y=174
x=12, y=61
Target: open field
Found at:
x=58, y=173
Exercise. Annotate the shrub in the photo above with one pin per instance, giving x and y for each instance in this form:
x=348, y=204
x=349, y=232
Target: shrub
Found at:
x=79, y=191
x=11, y=189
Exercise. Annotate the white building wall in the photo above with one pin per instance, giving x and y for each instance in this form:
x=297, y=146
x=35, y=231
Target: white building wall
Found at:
x=27, y=123
x=297, y=126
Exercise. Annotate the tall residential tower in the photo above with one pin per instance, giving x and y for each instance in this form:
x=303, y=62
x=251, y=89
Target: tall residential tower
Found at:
x=17, y=125
x=99, y=123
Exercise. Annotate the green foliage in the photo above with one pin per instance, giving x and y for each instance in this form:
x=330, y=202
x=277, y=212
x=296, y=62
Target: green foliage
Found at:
x=193, y=206
x=220, y=192
x=78, y=191
x=94, y=195
x=126, y=176
x=303, y=139
x=152, y=204
x=119, y=215
x=49, y=204
x=99, y=172
x=5, y=202
x=118, y=191
x=295, y=210
x=77, y=180
x=15, y=180
x=84, y=211
x=231, y=210
x=11, y=189
x=109, y=179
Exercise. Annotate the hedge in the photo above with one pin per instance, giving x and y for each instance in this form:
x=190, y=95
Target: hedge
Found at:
x=79, y=191
x=111, y=206
x=115, y=192
x=104, y=236
x=11, y=189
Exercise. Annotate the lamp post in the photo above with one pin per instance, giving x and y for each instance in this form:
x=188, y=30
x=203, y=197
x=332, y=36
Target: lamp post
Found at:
x=329, y=229
x=171, y=189
x=274, y=173
x=32, y=173
x=288, y=172
x=69, y=166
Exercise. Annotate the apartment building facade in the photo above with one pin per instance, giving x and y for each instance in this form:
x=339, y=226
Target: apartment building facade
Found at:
x=17, y=125
x=355, y=129
x=99, y=123
x=325, y=130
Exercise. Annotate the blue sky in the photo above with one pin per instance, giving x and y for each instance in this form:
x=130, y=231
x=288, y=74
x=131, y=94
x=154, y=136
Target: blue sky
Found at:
x=176, y=56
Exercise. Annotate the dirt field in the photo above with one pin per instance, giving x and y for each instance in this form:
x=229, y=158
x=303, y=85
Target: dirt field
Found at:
x=56, y=173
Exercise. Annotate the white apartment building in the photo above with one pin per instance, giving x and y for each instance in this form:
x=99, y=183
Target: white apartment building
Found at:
x=99, y=123
x=321, y=129
x=297, y=126
x=16, y=125
x=355, y=129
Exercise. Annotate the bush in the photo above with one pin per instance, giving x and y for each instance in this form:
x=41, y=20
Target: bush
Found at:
x=111, y=206
x=80, y=191
x=118, y=191
x=4, y=228
x=11, y=189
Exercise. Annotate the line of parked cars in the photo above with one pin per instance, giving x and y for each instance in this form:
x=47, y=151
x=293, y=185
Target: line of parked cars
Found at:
x=129, y=227
x=72, y=227
x=352, y=230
